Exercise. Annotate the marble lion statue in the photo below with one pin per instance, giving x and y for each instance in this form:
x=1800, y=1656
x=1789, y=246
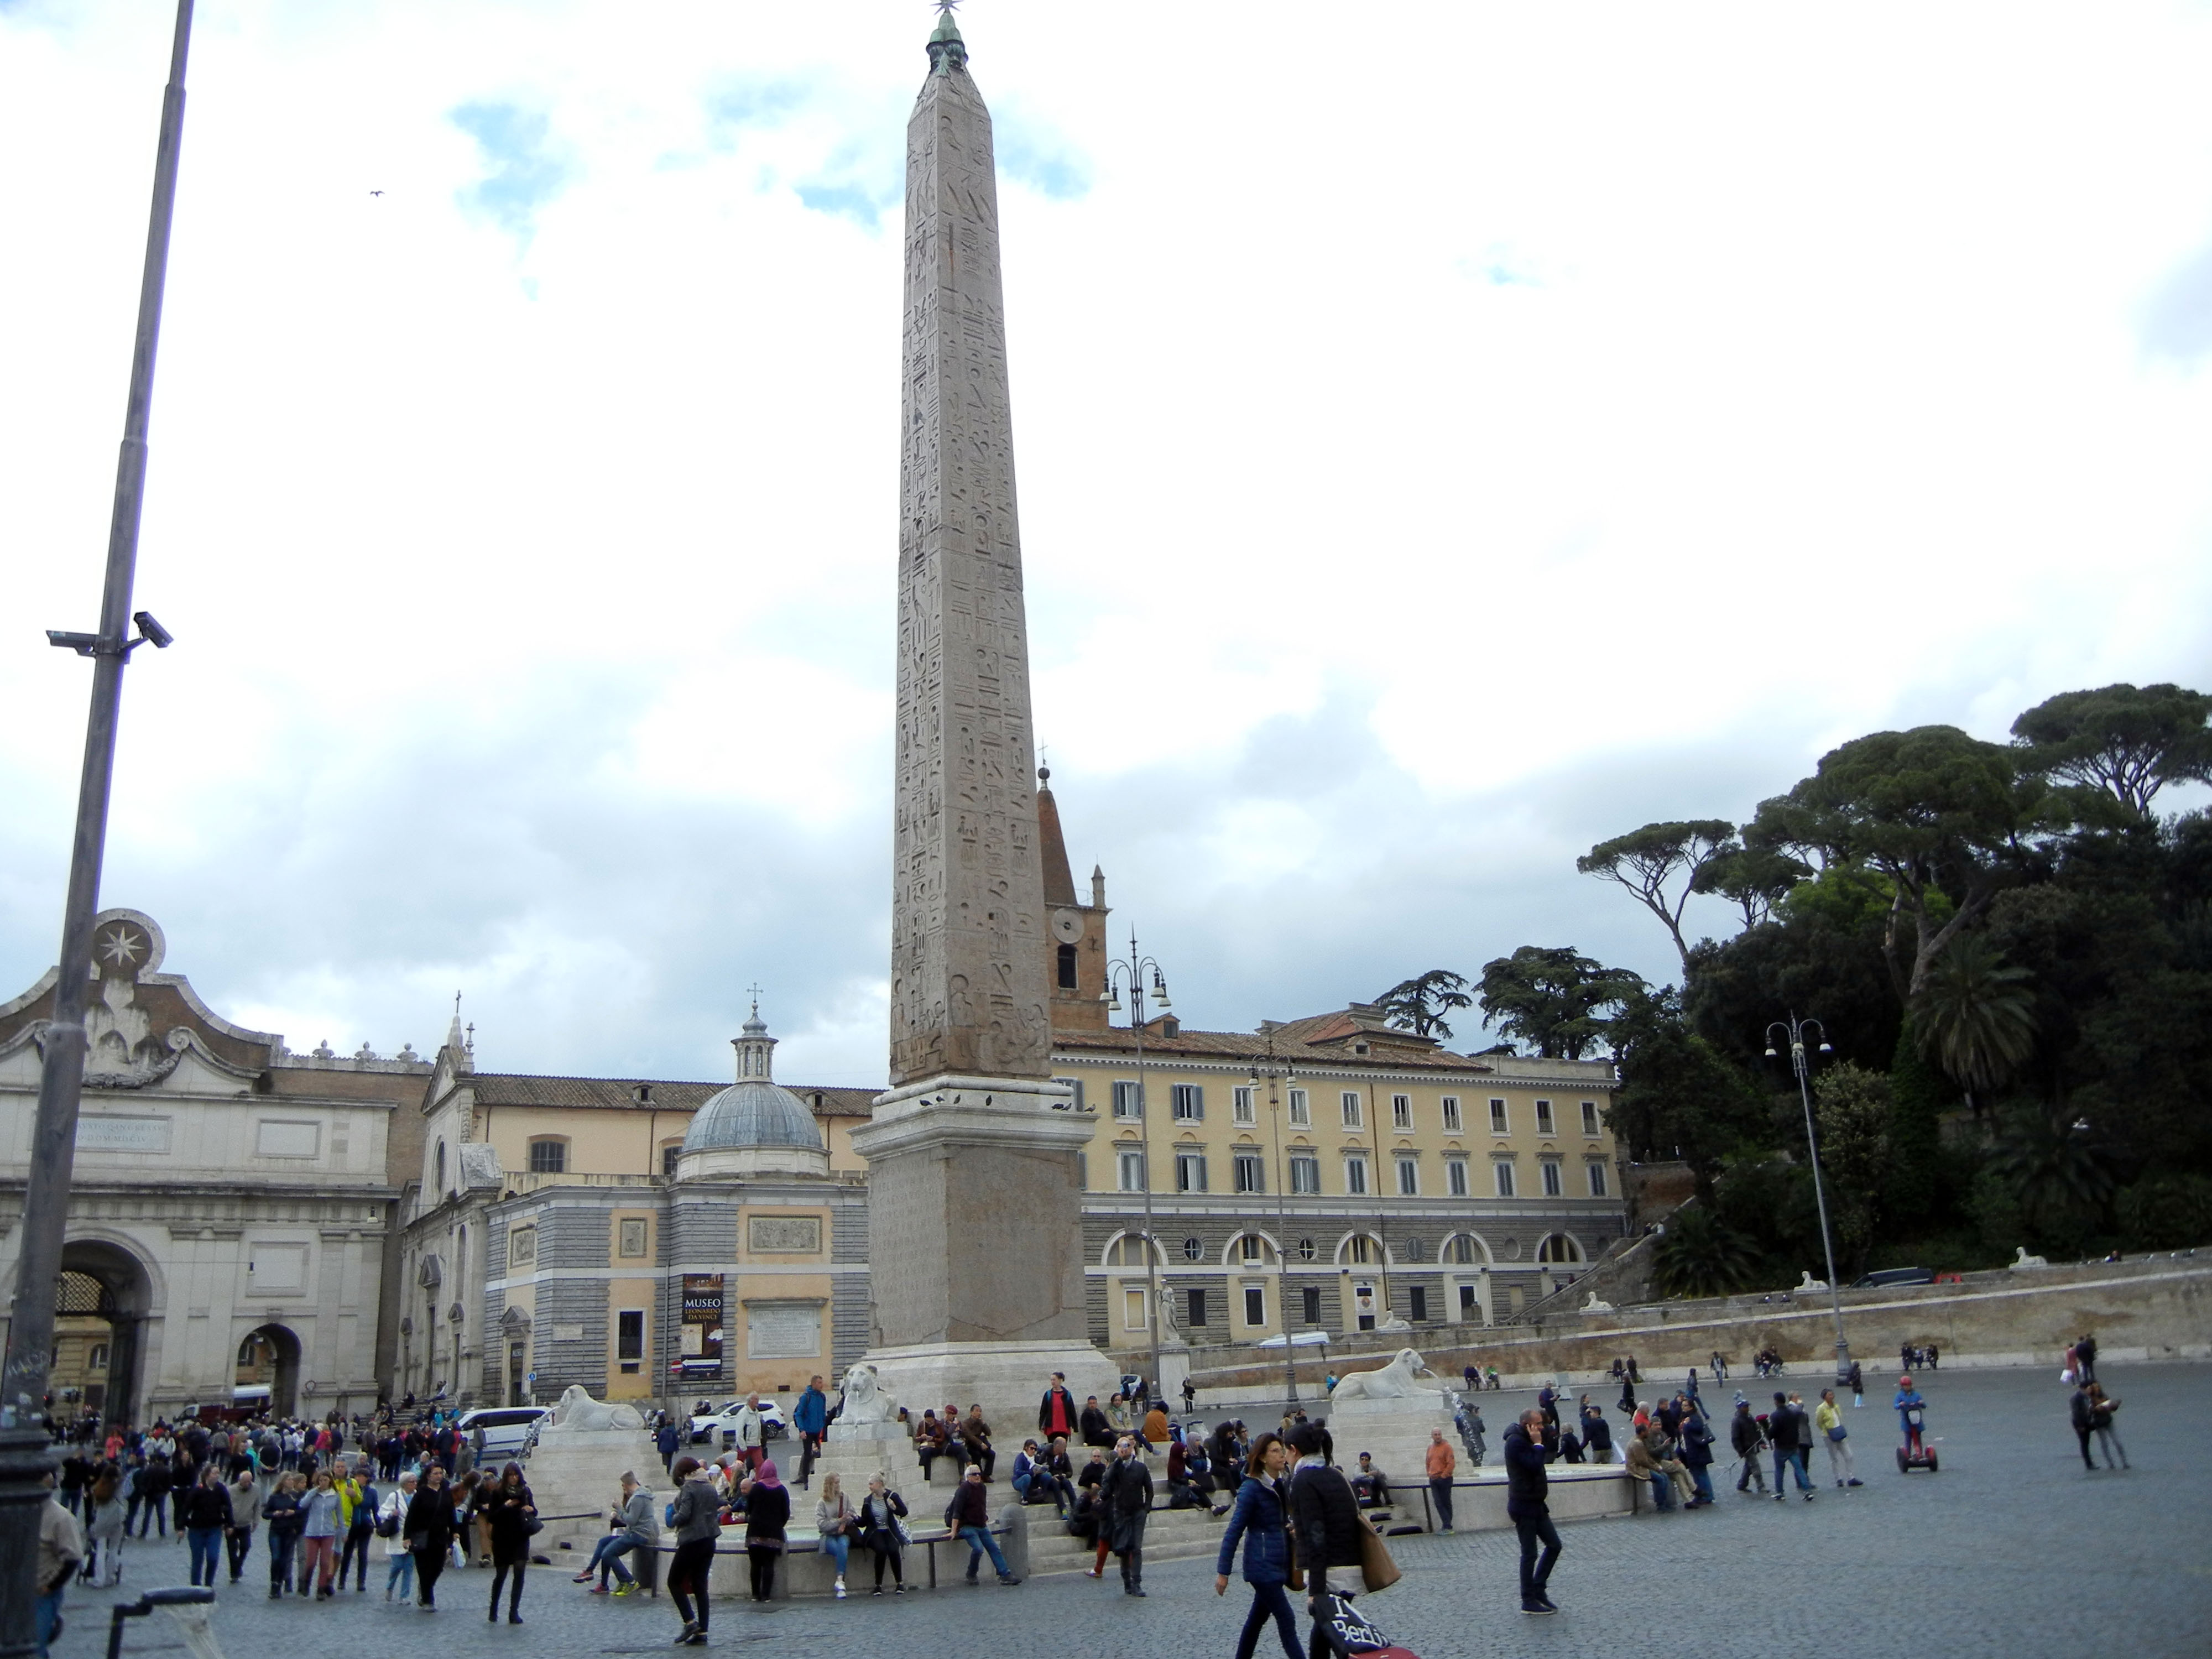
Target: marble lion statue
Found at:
x=1809, y=1283
x=1591, y=1304
x=2022, y=1259
x=1393, y=1381
x=865, y=1401
x=578, y=1410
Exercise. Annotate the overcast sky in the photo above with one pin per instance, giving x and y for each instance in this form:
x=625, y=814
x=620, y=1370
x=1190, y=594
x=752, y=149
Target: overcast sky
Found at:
x=1448, y=434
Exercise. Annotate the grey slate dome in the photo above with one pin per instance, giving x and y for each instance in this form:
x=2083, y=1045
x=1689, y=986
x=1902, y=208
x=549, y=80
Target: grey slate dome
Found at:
x=756, y=1110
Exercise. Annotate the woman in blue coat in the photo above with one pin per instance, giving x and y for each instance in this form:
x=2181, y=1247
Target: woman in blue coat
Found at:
x=1260, y=1519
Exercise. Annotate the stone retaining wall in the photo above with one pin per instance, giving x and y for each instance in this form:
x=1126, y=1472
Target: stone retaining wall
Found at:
x=2158, y=1308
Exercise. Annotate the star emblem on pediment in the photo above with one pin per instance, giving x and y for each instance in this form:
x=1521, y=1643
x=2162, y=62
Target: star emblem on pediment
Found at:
x=121, y=947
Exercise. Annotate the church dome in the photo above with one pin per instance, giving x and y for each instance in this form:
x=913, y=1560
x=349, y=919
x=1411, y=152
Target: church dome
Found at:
x=756, y=1111
x=752, y=1115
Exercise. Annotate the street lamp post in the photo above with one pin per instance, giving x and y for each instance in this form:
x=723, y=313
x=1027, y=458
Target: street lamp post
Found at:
x=1793, y=1031
x=1276, y=1075
x=24, y=1460
x=1133, y=973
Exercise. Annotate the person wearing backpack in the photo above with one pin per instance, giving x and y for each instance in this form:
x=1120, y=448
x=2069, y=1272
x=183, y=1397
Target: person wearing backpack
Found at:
x=359, y=1500
x=391, y=1527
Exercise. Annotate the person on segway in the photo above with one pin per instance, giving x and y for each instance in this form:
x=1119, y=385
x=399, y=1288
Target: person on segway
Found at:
x=1912, y=1417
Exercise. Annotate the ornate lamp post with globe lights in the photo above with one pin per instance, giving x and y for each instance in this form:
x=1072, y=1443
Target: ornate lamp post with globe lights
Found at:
x=1793, y=1031
x=1133, y=973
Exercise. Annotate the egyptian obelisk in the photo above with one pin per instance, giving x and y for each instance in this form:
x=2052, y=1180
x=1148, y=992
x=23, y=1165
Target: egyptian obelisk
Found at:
x=975, y=1257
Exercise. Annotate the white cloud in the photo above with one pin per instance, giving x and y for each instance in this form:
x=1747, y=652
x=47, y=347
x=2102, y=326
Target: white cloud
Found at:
x=1448, y=437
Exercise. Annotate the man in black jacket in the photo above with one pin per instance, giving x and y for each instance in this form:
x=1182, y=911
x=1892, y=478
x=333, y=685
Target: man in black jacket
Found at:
x=1092, y=1424
x=1125, y=1502
x=1785, y=1432
x=1526, y=1486
x=1326, y=1517
x=1749, y=1440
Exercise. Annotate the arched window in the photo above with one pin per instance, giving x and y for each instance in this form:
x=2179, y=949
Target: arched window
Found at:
x=441, y=1168
x=1558, y=1247
x=1462, y=1250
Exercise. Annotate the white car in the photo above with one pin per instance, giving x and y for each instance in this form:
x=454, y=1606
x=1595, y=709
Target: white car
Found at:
x=507, y=1429
x=720, y=1428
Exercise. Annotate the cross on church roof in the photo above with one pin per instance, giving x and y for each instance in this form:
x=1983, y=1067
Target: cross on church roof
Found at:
x=755, y=992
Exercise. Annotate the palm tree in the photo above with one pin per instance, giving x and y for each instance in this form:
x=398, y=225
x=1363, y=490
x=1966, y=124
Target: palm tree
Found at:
x=1975, y=1017
x=1700, y=1254
x=2057, y=1165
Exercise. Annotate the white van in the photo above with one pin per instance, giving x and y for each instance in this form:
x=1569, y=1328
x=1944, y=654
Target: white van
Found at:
x=507, y=1429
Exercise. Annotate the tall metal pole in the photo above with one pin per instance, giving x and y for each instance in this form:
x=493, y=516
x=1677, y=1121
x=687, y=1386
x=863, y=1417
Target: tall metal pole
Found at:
x=1802, y=1067
x=1145, y=1141
x=24, y=1459
x=1282, y=1230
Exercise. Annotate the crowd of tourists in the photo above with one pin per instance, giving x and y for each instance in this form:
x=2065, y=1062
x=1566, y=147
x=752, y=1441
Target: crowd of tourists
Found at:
x=322, y=1500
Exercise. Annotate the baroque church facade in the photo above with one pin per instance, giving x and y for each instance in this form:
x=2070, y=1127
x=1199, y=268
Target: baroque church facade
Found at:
x=648, y=1240
x=230, y=1219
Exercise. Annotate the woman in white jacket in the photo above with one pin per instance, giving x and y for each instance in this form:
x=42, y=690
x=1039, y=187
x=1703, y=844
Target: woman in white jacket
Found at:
x=391, y=1527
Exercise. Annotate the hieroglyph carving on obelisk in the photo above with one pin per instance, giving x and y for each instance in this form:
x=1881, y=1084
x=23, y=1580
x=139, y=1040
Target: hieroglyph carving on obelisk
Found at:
x=968, y=962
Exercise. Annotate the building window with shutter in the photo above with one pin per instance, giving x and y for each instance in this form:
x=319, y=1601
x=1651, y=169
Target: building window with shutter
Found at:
x=1419, y=1311
x=1132, y=1171
x=1252, y=1248
x=1305, y=1175
x=1590, y=1119
x=1596, y=1178
x=1503, y=1171
x=1197, y=1307
x=1402, y=1111
x=1451, y=1115
x=1362, y=1251
x=1241, y=1107
x=1543, y=1117
x=1188, y=1100
x=1409, y=1178
x=1498, y=1117
x=1349, y=1102
x=1251, y=1173
x=1128, y=1098
x=1355, y=1176
x=1310, y=1295
x=1075, y=1087
x=1456, y=1176
x=1301, y=1110
x=1190, y=1172
x=548, y=1158
x=1554, y=1185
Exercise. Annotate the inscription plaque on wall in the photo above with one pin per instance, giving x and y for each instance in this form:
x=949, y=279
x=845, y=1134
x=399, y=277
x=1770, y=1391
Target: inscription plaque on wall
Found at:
x=281, y=1138
x=522, y=1247
x=787, y=1235
x=633, y=1236
x=123, y=1135
x=783, y=1330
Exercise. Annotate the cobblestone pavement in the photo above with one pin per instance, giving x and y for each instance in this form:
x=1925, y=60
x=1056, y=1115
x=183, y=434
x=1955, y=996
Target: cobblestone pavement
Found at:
x=2011, y=1550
